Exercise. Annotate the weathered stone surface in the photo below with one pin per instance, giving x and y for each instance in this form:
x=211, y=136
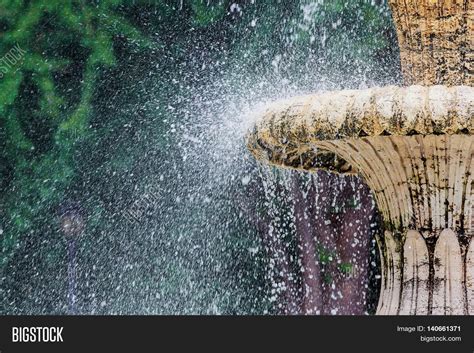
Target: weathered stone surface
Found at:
x=414, y=148
x=392, y=276
x=289, y=132
x=436, y=41
x=419, y=182
x=448, y=291
x=416, y=270
x=470, y=278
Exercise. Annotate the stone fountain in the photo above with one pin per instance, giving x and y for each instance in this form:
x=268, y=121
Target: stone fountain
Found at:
x=412, y=145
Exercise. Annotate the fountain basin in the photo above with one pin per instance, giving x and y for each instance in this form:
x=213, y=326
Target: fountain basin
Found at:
x=414, y=148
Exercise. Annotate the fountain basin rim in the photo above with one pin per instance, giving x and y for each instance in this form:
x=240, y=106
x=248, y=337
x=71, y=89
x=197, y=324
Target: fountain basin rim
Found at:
x=289, y=131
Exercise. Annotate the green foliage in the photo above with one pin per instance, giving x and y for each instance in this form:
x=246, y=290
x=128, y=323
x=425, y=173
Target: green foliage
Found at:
x=327, y=257
x=346, y=268
x=30, y=92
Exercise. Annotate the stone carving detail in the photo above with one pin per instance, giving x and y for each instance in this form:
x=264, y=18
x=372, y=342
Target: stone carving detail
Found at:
x=448, y=291
x=435, y=39
x=289, y=132
x=417, y=292
x=470, y=278
x=391, y=282
x=416, y=271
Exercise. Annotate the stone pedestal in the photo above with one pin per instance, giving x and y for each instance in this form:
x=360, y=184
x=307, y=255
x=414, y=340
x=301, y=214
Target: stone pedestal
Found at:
x=436, y=41
x=414, y=148
x=424, y=188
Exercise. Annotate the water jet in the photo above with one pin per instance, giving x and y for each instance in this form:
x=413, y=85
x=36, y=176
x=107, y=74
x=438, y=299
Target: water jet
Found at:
x=412, y=145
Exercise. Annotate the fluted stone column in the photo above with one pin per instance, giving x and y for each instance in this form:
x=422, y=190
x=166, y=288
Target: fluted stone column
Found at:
x=436, y=40
x=431, y=176
x=424, y=188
